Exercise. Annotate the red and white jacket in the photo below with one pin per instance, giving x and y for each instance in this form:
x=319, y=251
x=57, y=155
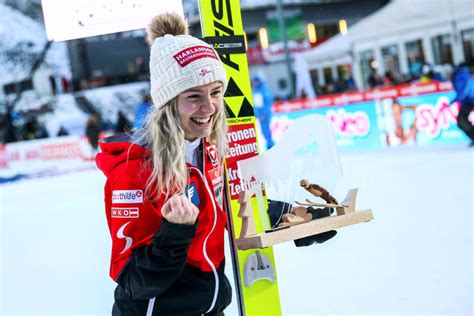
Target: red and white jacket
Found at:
x=163, y=268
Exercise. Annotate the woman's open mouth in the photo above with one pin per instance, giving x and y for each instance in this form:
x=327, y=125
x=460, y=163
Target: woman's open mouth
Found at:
x=201, y=121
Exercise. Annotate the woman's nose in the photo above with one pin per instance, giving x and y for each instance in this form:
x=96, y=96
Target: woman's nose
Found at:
x=207, y=105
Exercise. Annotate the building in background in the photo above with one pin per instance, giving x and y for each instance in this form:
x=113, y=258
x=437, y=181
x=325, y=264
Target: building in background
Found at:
x=308, y=24
x=403, y=41
x=108, y=59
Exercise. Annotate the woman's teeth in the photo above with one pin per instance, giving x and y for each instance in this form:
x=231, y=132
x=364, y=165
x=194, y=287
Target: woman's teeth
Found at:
x=201, y=120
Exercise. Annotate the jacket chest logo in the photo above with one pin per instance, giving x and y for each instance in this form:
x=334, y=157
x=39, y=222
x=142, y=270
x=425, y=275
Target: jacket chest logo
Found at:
x=212, y=154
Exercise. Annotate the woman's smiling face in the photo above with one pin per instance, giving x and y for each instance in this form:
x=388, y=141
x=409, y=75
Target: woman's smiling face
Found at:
x=198, y=108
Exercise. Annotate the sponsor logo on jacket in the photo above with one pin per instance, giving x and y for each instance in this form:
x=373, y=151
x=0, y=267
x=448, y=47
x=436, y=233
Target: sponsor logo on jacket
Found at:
x=121, y=235
x=125, y=212
x=127, y=196
x=212, y=153
x=192, y=194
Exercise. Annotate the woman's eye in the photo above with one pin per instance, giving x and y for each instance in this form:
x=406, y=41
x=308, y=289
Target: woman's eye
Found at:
x=216, y=93
x=193, y=96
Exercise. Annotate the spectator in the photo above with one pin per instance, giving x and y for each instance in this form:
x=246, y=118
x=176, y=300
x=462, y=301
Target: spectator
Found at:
x=62, y=131
x=10, y=134
x=330, y=87
x=374, y=80
x=427, y=73
x=464, y=86
x=415, y=67
x=52, y=81
x=93, y=129
x=34, y=130
x=388, y=79
x=263, y=102
x=141, y=111
x=123, y=125
x=65, y=84
x=350, y=83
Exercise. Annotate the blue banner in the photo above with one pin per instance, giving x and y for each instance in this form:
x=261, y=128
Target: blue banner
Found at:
x=420, y=120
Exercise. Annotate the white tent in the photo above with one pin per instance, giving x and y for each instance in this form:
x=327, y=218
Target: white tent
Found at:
x=334, y=51
x=401, y=17
x=403, y=21
x=398, y=22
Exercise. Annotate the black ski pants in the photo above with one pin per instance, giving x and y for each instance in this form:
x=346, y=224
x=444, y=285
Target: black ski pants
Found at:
x=463, y=121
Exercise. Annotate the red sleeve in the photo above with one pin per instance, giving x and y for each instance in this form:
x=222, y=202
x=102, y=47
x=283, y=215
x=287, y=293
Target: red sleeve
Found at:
x=148, y=253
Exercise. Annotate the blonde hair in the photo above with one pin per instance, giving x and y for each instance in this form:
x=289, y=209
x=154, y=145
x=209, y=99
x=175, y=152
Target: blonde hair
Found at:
x=165, y=138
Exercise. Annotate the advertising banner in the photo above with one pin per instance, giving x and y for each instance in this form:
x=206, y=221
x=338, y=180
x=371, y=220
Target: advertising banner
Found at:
x=355, y=125
x=408, y=115
x=242, y=142
x=45, y=157
x=435, y=118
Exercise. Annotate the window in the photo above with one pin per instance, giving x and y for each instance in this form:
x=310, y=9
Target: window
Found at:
x=416, y=57
x=368, y=66
x=468, y=46
x=442, y=49
x=391, y=60
x=341, y=72
x=327, y=72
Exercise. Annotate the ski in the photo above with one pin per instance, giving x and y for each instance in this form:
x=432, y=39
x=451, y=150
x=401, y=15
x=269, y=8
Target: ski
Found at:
x=256, y=284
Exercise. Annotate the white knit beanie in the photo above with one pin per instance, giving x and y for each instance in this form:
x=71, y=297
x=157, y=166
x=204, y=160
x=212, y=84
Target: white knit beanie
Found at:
x=179, y=61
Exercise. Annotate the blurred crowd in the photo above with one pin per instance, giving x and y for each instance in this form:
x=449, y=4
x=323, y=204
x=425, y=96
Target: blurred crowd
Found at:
x=419, y=73
x=16, y=126
x=19, y=126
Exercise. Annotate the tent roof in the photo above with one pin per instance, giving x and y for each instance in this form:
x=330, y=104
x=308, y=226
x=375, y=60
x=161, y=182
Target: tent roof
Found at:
x=396, y=18
x=334, y=48
x=402, y=16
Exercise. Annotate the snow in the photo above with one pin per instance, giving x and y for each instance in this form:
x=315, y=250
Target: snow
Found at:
x=414, y=258
x=124, y=97
x=21, y=40
x=67, y=114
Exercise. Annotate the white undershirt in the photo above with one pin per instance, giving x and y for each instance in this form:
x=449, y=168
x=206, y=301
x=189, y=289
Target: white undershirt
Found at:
x=190, y=152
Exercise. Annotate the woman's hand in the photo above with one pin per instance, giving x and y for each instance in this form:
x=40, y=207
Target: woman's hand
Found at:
x=179, y=210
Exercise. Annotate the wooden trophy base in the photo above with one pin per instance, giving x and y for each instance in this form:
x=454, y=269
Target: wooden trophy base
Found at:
x=298, y=225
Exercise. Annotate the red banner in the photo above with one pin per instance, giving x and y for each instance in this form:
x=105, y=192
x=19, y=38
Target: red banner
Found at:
x=3, y=156
x=339, y=99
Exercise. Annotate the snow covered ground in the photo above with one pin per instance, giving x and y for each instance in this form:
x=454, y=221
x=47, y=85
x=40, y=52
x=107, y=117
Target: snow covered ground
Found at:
x=415, y=258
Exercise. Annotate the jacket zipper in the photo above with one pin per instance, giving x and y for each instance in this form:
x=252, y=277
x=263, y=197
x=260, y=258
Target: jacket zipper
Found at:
x=214, y=270
x=151, y=304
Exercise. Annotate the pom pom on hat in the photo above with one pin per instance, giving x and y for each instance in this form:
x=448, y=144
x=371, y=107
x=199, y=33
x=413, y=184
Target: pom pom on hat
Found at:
x=166, y=23
x=179, y=61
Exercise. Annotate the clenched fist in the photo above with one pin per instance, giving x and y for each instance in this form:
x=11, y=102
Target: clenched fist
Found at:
x=179, y=210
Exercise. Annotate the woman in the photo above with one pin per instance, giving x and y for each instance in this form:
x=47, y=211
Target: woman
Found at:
x=164, y=185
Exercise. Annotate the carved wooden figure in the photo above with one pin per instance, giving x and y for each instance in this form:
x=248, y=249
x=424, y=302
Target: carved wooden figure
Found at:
x=298, y=223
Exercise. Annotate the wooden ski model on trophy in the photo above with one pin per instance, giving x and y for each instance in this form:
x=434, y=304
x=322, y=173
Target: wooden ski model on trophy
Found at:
x=298, y=221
